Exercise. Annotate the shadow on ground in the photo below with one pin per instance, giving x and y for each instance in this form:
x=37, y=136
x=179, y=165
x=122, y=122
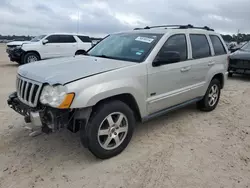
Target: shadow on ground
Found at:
x=9, y=65
x=240, y=77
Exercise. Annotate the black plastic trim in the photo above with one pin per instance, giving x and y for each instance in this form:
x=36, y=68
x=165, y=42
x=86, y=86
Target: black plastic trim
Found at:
x=165, y=111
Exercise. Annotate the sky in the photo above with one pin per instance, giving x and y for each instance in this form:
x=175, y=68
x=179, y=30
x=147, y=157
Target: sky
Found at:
x=101, y=17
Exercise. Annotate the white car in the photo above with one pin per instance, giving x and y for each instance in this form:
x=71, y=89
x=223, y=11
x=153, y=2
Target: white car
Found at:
x=48, y=46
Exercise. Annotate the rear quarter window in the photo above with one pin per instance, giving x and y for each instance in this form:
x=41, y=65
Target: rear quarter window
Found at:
x=200, y=46
x=84, y=38
x=218, y=46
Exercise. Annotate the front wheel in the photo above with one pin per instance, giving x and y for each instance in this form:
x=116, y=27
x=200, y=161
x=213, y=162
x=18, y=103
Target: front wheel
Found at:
x=30, y=57
x=110, y=129
x=211, y=98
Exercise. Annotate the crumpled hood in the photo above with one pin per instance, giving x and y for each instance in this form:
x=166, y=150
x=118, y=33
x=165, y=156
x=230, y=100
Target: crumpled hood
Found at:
x=64, y=70
x=17, y=43
x=240, y=54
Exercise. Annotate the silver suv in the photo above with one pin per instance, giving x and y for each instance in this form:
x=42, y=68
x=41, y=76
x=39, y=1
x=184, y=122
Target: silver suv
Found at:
x=127, y=77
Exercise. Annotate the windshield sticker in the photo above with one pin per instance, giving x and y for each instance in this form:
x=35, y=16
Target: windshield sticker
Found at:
x=140, y=52
x=144, y=39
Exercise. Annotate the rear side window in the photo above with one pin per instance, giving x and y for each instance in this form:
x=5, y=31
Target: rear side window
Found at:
x=176, y=43
x=67, y=39
x=200, y=46
x=84, y=38
x=218, y=46
x=53, y=39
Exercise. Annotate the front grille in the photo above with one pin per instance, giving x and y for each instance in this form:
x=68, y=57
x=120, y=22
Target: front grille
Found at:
x=28, y=91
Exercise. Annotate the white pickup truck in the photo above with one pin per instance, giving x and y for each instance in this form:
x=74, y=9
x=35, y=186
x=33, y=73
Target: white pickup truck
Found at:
x=48, y=46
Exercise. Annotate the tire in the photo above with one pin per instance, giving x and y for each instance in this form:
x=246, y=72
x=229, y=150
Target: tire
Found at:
x=30, y=57
x=100, y=132
x=230, y=74
x=206, y=103
x=80, y=52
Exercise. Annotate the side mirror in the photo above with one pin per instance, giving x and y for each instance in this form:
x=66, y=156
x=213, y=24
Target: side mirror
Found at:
x=166, y=57
x=45, y=41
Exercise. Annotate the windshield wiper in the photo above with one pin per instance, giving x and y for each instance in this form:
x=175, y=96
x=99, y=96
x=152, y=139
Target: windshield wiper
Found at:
x=103, y=56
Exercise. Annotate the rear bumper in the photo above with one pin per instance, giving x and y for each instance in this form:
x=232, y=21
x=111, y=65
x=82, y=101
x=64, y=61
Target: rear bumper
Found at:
x=226, y=76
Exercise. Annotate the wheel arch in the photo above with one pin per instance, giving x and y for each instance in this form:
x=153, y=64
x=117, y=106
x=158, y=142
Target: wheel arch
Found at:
x=220, y=77
x=32, y=51
x=128, y=99
x=80, y=51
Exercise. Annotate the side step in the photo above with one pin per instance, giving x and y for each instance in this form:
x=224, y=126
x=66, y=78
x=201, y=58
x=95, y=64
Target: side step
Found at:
x=167, y=110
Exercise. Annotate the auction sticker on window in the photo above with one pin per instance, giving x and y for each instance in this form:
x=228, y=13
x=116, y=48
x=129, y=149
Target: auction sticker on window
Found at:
x=144, y=39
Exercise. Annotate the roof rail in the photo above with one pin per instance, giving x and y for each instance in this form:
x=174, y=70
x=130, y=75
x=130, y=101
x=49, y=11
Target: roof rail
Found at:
x=189, y=26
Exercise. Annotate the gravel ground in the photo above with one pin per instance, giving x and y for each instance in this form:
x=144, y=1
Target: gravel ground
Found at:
x=186, y=148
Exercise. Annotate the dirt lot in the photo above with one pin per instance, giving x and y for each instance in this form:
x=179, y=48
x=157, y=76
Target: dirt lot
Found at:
x=186, y=148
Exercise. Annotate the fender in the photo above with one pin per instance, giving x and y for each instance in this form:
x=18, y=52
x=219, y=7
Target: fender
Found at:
x=216, y=69
x=91, y=95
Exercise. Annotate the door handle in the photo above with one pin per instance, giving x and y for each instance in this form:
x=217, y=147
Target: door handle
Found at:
x=185, y=69
x=211, y=63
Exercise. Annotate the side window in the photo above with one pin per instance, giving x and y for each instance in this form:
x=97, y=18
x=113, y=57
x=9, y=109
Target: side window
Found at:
x=53, y=39
x=217, y=44
x=67, y=39
x=175, y=44
x=84, y=38
x=200, y=46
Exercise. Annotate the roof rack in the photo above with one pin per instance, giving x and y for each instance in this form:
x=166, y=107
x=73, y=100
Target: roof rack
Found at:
x=189, y=26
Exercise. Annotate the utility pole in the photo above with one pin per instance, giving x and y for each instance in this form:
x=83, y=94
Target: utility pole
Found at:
x=238, y=32
x=78, y=18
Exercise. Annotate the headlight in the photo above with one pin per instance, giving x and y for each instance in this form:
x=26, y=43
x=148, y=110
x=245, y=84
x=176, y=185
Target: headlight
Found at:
x=53, y=95
x=18, y=47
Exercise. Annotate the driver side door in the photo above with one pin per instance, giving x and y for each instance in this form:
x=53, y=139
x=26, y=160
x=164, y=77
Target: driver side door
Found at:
x=168, y=83
x=52, y=48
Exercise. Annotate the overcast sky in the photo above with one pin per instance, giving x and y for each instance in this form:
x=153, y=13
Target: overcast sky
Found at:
x=99, y=17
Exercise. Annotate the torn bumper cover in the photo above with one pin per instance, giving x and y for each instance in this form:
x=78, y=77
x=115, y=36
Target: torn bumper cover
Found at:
x=47, y=118
x=51, y=119
x=15, y=54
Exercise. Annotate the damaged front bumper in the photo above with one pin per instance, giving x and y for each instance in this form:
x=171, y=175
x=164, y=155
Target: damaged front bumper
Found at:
x=15, y=54
x=47, y=118
x=30, y=115
x=51, y=119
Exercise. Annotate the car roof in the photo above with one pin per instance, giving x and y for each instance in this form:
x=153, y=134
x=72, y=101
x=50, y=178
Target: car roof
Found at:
x=176, y=28
x=75, y=34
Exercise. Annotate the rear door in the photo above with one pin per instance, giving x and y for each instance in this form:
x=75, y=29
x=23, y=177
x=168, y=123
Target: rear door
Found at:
x=85, y=43
x=68, y=45
x=220, y=57
x=201, y=59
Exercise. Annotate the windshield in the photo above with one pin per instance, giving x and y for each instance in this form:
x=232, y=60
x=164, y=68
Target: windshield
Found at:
x=37, y=38
x=246, y=47
x=126, y=46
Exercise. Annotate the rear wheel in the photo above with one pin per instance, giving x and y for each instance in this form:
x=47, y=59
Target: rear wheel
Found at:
x=110, y=129
x=211, y=98
x=80, y=52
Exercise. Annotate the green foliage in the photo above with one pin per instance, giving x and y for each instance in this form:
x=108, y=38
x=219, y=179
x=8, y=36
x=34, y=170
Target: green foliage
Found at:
x=241, y=37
